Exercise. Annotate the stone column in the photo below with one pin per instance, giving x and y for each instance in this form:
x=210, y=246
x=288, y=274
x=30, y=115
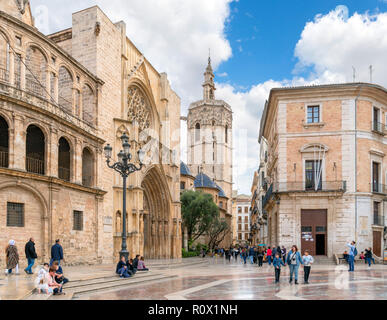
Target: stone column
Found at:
x=56, y=88
x=12, y=69
x=78, y=161
x=47, y=94
x=52, y=153
x=18, y=153
x=22, y=72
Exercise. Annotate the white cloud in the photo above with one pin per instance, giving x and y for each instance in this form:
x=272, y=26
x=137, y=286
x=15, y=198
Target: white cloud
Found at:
x=174, y=35
x=333, y=43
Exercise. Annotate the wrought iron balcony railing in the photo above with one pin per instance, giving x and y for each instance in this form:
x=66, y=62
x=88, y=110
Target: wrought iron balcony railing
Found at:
x=379, y=221
x=35, y=165
x=378, y=127
x=324, y=186
x=4, y=156
x=378, y=188
x=284, y=187
x=64, y=173
x=4, y=75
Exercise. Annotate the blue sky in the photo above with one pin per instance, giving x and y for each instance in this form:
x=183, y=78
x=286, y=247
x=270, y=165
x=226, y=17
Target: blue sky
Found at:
x=263, y=35
x=255, y=45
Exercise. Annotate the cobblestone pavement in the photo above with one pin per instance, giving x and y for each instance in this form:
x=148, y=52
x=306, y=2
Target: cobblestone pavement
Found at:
x=215, y=279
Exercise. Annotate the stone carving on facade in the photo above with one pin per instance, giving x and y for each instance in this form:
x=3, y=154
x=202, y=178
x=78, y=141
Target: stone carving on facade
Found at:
x=21, y=4
x=138, y=108
x=210, y=116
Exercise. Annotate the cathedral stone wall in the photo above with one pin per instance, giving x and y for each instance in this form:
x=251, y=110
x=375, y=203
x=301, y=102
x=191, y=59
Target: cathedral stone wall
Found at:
x=82, y=96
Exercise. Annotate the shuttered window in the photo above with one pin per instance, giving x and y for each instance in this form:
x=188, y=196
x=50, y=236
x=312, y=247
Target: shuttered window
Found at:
x=78, y=220
x=15, y=214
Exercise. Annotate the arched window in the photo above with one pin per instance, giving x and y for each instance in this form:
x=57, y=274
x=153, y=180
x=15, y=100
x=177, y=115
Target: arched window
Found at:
x=64, y=160
x=4, y=58
x=35, y=150
x=36, y=66
x=4, y=153
x=226, y=134
x=65, y=89
x=87, y=168
x=197, y=132
x=88, y=103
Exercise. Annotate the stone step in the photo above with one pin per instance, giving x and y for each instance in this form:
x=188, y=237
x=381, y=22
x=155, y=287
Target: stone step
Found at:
x=109, y=279
x=73, y=293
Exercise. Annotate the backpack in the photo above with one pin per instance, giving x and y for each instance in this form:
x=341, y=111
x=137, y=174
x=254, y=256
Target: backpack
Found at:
x=355, y=252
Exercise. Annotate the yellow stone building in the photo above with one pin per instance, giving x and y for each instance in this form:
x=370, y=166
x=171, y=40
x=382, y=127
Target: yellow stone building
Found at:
x=62, y=98
x=326, y=170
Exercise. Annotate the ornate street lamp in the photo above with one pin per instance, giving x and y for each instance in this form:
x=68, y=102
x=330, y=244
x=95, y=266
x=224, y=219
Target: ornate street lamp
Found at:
x=124, y=168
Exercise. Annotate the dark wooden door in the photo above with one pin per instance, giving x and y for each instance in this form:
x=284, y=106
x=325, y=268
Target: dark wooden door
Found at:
x=314, y=231
x=377, y=239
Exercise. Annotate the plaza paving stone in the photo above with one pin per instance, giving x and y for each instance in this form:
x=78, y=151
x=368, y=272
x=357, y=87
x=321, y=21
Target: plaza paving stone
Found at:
x=218, y=280
x=214, y=279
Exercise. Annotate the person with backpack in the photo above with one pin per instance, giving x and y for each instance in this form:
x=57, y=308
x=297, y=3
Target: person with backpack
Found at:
x=351, y=255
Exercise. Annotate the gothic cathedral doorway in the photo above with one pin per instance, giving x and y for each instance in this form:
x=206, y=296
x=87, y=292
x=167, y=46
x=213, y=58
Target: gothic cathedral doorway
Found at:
x=157, y=232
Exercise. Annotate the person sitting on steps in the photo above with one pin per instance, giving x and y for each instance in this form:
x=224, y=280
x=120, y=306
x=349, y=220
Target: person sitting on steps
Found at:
x=141, y=265
x=122, y=269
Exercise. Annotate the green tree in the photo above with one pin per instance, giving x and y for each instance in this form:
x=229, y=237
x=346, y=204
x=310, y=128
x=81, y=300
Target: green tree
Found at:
x=198, y=211
x=217, y=231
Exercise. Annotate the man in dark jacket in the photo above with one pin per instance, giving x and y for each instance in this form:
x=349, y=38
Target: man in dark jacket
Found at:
x=56, y=252
x=135, y=262
x=30, y=255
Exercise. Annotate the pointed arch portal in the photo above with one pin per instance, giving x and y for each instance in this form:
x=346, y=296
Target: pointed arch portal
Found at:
x=157, y=221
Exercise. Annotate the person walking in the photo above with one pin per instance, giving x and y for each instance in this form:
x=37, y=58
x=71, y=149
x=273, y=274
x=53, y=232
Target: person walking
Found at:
x=12, y=257
x=308, y=260
x=277, y=262
x=283, y=252
x=244, y=255
x=268, y=255
x=30, y=255
x=252, y=255
x=56, y=252
x=368, y=257
x=294, y=260
x=260, y=257
x=351, y=255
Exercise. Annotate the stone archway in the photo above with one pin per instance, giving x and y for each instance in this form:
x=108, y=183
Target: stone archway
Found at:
x=157, y=217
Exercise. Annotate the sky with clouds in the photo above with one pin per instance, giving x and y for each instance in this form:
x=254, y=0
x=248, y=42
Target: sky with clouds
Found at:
x=255, y=46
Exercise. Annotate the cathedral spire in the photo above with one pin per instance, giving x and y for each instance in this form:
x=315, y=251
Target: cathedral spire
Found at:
x=209, y=85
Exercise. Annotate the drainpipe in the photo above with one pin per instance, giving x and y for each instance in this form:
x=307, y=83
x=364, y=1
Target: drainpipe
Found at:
x=356, y=101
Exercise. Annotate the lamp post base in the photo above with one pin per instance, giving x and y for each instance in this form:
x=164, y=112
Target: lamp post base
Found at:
x=124, y=253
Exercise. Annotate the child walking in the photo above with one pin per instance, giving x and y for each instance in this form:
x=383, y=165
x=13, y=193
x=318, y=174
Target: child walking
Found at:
x=277, y=262
x=308, y=260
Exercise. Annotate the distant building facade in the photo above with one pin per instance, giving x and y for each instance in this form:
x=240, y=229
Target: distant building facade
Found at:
x=326, y=170
x=242, y=214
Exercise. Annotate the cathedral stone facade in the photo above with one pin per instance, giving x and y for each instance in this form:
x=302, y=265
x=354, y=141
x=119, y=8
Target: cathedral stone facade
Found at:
x=62, y=98
x=209, y=144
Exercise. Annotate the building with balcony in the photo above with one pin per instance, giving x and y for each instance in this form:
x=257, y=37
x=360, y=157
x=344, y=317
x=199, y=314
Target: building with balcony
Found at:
x=259, y=228
x=326, y=167
x=62, y=97
x=242, y=213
